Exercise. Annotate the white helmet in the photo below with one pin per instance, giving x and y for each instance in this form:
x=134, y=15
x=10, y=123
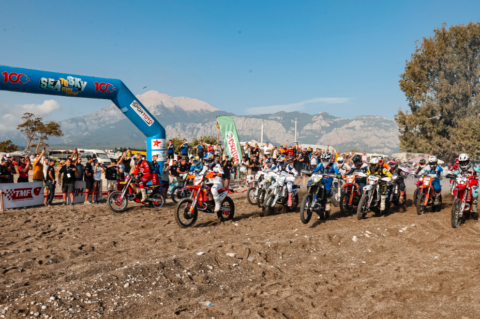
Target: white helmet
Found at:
x=340, y=161
x=374, y=162
x=464, y=161
x=432, y=161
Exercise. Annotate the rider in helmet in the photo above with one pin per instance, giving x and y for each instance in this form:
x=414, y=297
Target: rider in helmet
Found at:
x=268, y=165
x=342, y=166
x=434, y=168
x=284, y=164
x=143, y=174
x=467, y=169
x=359, y=167
x=421, y=165
x=326, y=166
x=401, y=174
x=196, y=166
x=217, y=181
x=378, y=170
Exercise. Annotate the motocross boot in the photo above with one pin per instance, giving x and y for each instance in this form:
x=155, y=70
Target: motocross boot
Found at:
x=382, y=202
x=290, y=199
x=437, y=199
x=402, y=196
x=144, y=194
x=474, y=204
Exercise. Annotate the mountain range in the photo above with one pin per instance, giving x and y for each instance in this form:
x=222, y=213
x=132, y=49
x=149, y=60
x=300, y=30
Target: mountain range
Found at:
x=189, y=118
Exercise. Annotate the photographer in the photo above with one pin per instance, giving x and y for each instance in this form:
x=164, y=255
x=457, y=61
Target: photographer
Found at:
x=23, y=169
x=69, y=171
x=97, y=180
x=111, y=176
x=88, y=179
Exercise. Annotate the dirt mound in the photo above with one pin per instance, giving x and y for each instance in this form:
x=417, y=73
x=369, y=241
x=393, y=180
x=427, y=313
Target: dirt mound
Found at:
x=86, y=262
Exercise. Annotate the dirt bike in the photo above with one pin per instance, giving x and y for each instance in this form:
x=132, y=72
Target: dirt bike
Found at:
x=371, y=197
x=118, y=200
x=180, y=191
x=202, y=200
x=264, y=187
x=253, y=191
x=462, y=198
x=279, y=195
x=426, y=194
x=394, y=195
x=312, y=200
x=350, y=194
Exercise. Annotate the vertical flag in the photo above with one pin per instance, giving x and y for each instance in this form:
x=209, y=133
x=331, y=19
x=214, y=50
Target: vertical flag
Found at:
x=230, y=137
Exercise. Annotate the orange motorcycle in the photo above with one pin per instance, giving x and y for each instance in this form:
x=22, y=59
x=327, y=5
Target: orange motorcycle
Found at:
x=350, y=194
x=426, y=194
x=202, y=200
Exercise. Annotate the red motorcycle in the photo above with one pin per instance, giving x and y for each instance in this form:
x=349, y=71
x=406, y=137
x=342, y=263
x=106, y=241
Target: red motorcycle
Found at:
x=350, y=195
x=426, y=194
x=202, y=199
x=462, y=198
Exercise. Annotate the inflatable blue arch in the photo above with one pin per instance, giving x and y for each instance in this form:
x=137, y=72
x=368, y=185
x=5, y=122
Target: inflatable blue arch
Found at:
x=66, y=84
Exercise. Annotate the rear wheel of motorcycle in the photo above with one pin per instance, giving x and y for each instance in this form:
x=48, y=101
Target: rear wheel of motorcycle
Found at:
x=268, y=205
x=415, y=195
x=294, y=206
x=456, y=213
x=157, y=200
x=261, y=197
x=115, y=204
x=362, y=207
x=344, y=207
x=183, y=216
x=305, y=208
x=420, y=207
x=252, y=196
x=227, y=211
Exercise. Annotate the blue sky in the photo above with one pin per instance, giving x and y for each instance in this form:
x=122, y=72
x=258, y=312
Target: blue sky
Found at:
x=342, y=57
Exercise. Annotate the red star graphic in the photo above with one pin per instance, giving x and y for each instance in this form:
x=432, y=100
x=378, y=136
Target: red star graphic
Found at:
x=156, y=143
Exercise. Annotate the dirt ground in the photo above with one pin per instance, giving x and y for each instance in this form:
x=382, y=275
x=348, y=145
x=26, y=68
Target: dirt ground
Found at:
x=86, y=262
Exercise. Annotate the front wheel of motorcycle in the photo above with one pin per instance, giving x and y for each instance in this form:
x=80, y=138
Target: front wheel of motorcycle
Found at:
x=305, y=208
x=456, y=213
x=116, y=204
x=362, y=207
x=420, y=204
x=227, y=211
x=157, y=200
x=252, y=196
x=344, y=207
x=268, y=205
x=184, y=217
x=261, y=197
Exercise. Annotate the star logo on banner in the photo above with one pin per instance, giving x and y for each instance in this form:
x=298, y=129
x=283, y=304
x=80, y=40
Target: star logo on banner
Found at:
x=156, y=143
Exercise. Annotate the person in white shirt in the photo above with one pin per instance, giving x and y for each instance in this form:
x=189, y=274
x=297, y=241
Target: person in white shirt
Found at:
x=364, y=157
x=97, y=180
x=246, y=150
x=267, y=149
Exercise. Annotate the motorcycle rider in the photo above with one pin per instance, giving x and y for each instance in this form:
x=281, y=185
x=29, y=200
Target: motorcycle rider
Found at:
x=196, y=166
x=434, y=168
x=359, y=166
x=467, y=169
x=342, y=166
x=379, y=170
x=285, y=166
x=401, y=174
x=421, y=165
x=216, y=181
x=326, y=166
x=143, y=174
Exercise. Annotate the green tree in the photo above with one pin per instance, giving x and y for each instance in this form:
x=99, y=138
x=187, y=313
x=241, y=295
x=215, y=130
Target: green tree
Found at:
x=45, y=131
x=441, y=83
x=8, y=147
x=30, y=127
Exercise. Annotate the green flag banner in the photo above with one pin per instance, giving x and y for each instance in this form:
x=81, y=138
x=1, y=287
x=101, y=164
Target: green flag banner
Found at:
x=230, y=137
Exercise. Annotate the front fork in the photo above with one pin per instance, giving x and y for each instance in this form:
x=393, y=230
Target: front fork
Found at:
x=192, y=208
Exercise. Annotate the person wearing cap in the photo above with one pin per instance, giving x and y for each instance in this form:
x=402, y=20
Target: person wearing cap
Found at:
x=50, y=182
x=3, y=171
x=23, y=169
x=38, y=175
x=10, y=168
x=111, y=176
x=69, y=171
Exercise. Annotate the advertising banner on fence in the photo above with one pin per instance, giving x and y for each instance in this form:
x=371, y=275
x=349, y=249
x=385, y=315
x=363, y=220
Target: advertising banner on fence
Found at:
x=79, y=195
x=230, y=137
x=22, y=194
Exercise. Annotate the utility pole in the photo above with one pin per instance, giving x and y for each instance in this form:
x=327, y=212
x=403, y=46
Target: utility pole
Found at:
x=261, y=134
x=295, y=130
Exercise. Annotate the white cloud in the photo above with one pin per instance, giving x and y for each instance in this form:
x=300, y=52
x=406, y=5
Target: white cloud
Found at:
x=12, y=115
x=296, y=106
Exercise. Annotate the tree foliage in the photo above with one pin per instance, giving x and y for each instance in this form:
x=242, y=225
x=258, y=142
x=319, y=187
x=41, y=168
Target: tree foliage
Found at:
x=8, y=146
x=441, y=83
x=38, y=132
x=208, y=139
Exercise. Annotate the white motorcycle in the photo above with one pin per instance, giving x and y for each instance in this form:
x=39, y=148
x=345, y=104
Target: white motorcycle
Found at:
x=371, y=197
x=279, y=195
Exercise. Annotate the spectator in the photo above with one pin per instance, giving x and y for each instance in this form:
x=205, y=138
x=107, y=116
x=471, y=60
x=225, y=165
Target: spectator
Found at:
x=200, y=150
x=183, y=168
x=120, y=170
x=88, y=180
x=10, y=168
x=3, y=171
x=246, y=150
x=156, y=170
x=210, y=149
x=256, y=151
x=243, y=169
x=365, y=157
x=127, y=162
x=217, y=150
x=313, y=161
x=173, y=172
x=111, y=176
x=80, y=169
x=170, y=150
x=50, y=181
x=165, y=179
x=185, y=149
x=97, y=181
x=23, y=169
x=254, y=165
x=267, y=149
x=68, y=170
x=227, y=166
x=274, y=154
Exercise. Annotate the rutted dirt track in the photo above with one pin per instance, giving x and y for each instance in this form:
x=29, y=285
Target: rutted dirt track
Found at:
x=88, y=262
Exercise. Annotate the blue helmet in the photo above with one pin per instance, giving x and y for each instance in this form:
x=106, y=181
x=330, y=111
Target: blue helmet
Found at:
x=326, y=158
x=208, y=157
